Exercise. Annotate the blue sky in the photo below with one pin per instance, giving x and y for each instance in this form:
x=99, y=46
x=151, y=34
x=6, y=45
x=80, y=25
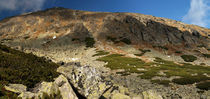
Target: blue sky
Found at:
x=188, y=11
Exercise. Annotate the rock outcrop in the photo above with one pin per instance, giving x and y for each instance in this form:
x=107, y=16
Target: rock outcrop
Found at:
x=59, y=89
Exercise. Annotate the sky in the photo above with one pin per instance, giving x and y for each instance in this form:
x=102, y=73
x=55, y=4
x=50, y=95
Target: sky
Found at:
x=188, y=11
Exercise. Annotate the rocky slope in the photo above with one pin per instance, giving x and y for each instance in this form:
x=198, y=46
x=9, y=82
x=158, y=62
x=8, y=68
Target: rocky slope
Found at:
x=71, y=36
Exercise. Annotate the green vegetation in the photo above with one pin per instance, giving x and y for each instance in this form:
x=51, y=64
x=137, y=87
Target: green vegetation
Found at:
x=189, y=58
x=21, y=68
x=204, y=85
x=115, y=40
x=99, y=53
x=206, y=55
x=178, y=52
x=161, y=47
x=126, y=41
x=75, y=39
x=201, y=45
x=111, y=39
x=152, y=69
x=89, y=42
x=142, y=52
x=161, y=82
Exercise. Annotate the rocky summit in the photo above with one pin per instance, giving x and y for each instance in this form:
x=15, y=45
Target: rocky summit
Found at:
x=103, y=55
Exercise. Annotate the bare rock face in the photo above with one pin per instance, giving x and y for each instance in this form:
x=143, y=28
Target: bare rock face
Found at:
x=87, y=80
x=40, y=27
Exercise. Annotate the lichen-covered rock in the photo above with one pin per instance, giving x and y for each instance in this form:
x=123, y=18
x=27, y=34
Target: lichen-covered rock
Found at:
x=151, y=94
x=65, y=88
x=17, y=88
x=87, y=80
x=49, y=88
x=59, y=89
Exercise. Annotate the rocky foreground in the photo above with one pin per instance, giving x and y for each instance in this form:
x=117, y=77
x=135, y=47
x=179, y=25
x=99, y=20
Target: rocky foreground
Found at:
x=83, y=44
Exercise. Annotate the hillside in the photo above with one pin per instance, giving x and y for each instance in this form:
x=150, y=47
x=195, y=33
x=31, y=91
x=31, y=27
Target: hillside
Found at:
x=140, y=54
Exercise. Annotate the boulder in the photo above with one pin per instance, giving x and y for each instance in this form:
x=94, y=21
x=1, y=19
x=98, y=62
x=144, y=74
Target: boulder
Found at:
x=17, y=88
x=59, y=89
x=87, y=80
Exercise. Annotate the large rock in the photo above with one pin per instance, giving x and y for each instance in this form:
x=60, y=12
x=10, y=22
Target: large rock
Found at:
x=87, y=80
x=59, y=89
x=65, y=88
x=17, y=88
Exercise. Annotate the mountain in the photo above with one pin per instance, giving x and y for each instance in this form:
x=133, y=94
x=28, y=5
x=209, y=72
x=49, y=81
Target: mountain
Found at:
x=142, y=54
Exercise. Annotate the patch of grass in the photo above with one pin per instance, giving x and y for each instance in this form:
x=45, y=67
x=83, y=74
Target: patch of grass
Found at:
x=118, y=61
x=152, y=69
x=99, y=53
x=161, y=82
x=189, y=58
x=204, y=85
x=89, y=42
x=21, y=68
x=206, y=55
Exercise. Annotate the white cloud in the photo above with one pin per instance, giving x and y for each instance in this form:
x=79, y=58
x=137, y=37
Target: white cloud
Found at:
x=198, y=13
x=21, y=5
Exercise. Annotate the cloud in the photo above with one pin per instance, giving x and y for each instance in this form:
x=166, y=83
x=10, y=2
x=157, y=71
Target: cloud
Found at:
x=198, y=13
x=21, y=5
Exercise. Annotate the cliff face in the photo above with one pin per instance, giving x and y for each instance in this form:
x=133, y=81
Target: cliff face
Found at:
x=139, y=29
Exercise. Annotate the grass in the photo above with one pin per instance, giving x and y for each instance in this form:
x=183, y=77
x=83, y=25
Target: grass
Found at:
x=189, y=58
x=21, y=68
x=152, y=69
x=100, y=53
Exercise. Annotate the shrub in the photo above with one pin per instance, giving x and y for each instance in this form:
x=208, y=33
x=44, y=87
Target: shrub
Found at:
x=189, y=58
x=203, y=85
x=126, y=41
x=162, y=82
x=206, y=55
x=178, y=52
x=21, y=68
x=75, y=39
x=89, y=42
x=111, y=38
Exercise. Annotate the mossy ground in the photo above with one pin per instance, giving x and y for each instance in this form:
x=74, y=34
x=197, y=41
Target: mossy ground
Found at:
x=152, y=69
x=21, y=68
